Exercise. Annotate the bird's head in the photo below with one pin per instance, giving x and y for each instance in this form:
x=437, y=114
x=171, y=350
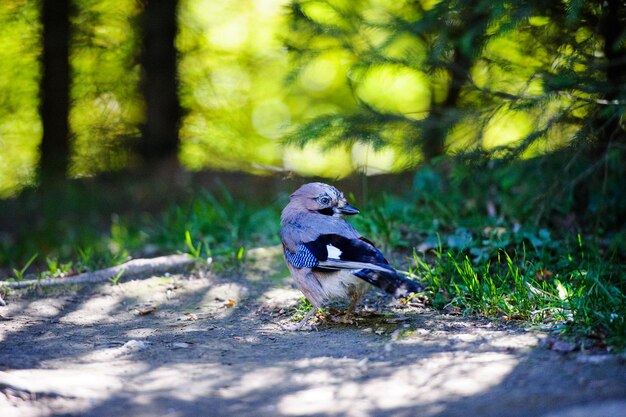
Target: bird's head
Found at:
x=321, y=198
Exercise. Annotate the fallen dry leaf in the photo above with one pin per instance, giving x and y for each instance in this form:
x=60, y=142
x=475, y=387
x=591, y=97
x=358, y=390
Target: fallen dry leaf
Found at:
x=543, y=274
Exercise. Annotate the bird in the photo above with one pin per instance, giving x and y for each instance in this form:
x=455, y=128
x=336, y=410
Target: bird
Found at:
x=327, y=257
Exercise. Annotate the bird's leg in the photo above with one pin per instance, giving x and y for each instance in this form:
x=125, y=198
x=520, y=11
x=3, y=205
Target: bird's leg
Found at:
x=351, y=307
x=347, y=318
x=306, y=318
x=302, y=322
x=355, y=295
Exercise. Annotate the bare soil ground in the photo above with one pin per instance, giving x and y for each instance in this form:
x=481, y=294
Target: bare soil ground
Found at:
x=204, y=344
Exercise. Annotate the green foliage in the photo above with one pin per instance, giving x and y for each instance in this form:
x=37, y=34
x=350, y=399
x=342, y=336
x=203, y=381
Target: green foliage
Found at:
x=415, y=79
x=20, y=127
x=486, y=243
x=106, y=107
x=222, y=226
x=580, y=296
x=116, y=279
x=19, y=273
x=302, y=308
x=93, y=255
x=596, y=292
x=506, y=78
x=195, y=250
x=56, y=268
x=211, y=227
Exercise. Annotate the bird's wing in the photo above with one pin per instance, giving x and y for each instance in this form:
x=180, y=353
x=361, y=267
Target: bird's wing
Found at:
x=335, y=251
x=301, y=258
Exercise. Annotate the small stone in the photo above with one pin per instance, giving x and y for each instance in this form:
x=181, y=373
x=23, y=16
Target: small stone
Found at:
x=134, y=345
x=562, y=347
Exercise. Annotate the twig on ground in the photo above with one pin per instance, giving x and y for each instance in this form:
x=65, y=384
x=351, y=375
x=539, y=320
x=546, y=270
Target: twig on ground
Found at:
x=137, y=268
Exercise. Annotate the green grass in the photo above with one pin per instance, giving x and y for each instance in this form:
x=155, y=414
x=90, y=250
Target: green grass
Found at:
x=486, y=244
x=19, y=273
x=301, y=309
x=208, y=227
x=582, y=296
x=493, y=242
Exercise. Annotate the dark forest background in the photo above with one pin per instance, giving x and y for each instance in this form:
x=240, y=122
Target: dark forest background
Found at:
x=97, y=86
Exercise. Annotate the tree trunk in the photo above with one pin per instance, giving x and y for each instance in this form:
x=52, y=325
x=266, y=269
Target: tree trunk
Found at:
x=160, y=81
x=442, y=115
x=611, y=29
x=54, y=89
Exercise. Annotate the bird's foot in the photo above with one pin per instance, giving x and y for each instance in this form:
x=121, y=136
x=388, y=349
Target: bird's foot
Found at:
x=344, y=319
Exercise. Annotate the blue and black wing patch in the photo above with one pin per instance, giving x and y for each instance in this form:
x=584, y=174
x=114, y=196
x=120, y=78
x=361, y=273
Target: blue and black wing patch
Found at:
x=345, y=249
x=303, y=258
x=333, y=246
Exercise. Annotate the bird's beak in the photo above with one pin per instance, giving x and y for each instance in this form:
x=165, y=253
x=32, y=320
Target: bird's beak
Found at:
x=347, y=210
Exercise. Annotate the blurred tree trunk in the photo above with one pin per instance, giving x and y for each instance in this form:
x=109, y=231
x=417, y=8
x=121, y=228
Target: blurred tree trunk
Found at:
x=54, y=89
x=444, y=115
x=160, y=81
x=608, y=122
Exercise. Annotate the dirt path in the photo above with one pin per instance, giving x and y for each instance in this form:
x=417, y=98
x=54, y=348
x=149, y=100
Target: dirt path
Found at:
x=211, y=348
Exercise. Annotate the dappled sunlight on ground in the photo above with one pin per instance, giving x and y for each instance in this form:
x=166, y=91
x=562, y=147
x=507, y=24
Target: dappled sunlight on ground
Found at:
x=93, y=311
x=90, y=381
x=212, y=345
x=340, y=388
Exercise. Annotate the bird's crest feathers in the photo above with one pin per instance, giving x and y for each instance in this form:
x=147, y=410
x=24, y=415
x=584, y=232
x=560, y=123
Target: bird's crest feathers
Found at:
x=318, y=198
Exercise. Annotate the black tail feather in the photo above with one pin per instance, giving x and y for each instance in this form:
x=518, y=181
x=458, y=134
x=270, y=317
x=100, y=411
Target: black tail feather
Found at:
x=390, y=281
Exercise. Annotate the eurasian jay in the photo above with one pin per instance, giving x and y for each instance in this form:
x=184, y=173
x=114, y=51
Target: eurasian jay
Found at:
x=327, y=257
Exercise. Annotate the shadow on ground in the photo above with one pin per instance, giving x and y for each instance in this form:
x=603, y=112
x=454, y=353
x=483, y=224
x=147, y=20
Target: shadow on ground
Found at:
x=212, y=347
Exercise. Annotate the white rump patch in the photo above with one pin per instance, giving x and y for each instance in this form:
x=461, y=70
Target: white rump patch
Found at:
x=333, y=252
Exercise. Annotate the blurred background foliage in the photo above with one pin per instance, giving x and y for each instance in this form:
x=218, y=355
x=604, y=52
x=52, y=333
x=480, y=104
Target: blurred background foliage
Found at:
x=319, y=88
x=106, y=106
x=20, y=126
x=275, y=85
x=506, y=78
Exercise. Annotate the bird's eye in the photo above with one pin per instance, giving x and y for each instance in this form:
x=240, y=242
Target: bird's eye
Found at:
x=325, y=200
